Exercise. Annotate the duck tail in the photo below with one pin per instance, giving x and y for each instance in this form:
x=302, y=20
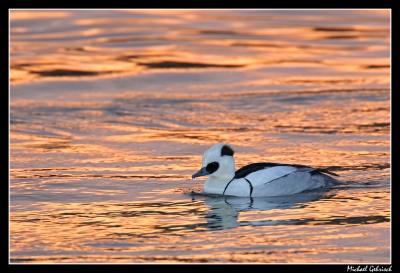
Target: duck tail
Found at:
x=325, y=170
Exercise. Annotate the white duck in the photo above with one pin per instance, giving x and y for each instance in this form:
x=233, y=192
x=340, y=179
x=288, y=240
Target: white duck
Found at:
x=257, y=179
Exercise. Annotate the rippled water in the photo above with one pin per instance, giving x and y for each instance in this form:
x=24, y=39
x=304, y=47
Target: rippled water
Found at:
x=111, y=111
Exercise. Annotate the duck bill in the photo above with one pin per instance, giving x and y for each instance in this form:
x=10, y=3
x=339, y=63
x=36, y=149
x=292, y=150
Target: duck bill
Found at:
x=201, y=172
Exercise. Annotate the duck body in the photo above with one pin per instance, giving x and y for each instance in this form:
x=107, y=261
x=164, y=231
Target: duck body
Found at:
x=270, y=179
x=258, y=179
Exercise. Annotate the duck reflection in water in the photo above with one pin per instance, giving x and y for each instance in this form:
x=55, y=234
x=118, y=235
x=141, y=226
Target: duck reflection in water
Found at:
x=224, y=210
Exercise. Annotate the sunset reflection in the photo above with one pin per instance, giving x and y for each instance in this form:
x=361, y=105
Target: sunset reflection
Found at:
x=111, y=110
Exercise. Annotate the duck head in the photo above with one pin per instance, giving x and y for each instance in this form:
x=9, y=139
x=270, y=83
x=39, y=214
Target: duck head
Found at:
x=218, y=163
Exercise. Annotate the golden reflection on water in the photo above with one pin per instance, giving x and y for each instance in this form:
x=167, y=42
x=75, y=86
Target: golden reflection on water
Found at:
x=111, y=112
x=94, y=60
x=118, y=230
x=29, y=15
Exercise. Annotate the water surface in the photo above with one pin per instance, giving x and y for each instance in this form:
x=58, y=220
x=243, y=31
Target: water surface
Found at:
x=111, y=111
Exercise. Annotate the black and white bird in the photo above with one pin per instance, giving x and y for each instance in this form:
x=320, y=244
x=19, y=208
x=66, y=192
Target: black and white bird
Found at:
x=258, y=179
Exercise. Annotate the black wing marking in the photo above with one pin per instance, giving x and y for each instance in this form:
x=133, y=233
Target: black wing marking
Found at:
x=320, y=170
x=246, y=170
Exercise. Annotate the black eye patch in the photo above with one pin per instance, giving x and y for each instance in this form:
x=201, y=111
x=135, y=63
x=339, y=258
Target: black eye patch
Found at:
x=212, y=167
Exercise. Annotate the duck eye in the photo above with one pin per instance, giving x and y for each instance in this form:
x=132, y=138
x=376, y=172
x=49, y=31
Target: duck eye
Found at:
x=212, y=167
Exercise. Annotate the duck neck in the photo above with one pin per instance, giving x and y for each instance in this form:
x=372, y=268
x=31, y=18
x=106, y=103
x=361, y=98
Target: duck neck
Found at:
x=217, y=185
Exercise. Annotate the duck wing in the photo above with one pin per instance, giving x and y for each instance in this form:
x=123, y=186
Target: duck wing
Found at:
x=261, y=173
x=254, y=167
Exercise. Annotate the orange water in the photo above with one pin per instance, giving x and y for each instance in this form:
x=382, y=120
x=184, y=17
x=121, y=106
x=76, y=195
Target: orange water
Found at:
x=112, y=110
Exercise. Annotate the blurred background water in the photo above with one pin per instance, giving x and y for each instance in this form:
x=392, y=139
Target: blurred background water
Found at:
x=111, y=110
